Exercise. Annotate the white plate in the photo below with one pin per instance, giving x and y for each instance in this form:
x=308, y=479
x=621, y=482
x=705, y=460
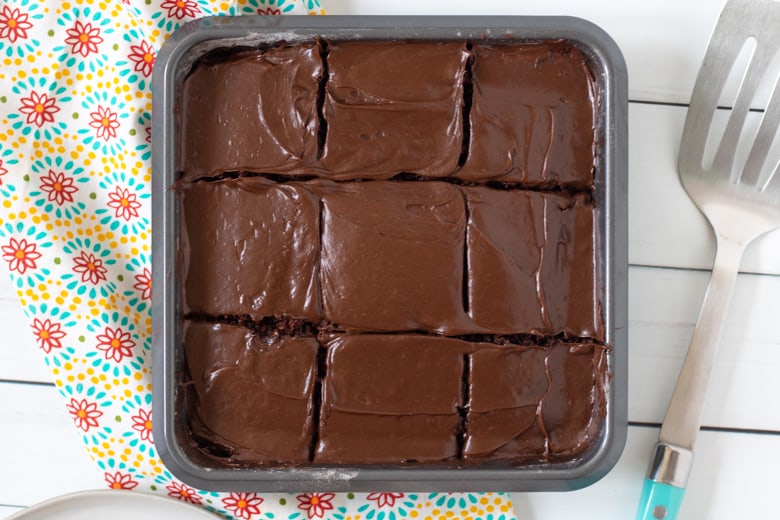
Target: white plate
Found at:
x=113, y=504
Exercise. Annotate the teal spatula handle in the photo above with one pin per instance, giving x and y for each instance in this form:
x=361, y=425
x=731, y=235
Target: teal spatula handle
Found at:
x=665, y=483
x=659, y=501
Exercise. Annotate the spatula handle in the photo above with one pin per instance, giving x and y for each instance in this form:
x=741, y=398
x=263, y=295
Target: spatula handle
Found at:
x=664, y=487
x=659, y=501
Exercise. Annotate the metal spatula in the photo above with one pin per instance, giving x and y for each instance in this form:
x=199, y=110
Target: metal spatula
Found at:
x=741, y=203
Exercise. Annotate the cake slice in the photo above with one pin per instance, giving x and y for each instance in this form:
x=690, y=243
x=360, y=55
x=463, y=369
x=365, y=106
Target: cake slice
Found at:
x=256, y=111
x=392, y=257
x=250, y=247
x=534, y=403
x=531, y=263
x=253, y=395
x=393, y=109
x=532, y=116
x=391, y=399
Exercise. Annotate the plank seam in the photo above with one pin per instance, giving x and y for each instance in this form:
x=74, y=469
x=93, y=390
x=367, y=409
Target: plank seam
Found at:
x=697, y=269
x=716, y=429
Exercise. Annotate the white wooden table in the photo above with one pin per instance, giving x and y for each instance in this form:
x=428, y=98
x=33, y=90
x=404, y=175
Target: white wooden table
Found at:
x=738, y=456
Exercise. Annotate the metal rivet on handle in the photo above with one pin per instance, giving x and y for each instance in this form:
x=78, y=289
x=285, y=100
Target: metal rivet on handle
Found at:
x=659, y=512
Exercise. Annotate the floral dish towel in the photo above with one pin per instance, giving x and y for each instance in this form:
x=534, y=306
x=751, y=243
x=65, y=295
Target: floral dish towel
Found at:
x=75, y=147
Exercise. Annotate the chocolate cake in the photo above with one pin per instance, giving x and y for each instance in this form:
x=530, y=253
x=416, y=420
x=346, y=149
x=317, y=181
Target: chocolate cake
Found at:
x=381, y=392
x=530, y=402
x=392, y=257
x=250, y=247
x=388, y=254
x=398, y=112
x=271, y=100
x=532, y=115
x=254, y=395
x=531, y=263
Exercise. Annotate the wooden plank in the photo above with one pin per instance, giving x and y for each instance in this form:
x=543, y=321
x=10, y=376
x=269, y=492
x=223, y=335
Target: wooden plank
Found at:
x=20, y=357
x=42, y=454
x=663, y=41
x=666, y=228
x=663, y=307
x=734, y=476
x=7, y=290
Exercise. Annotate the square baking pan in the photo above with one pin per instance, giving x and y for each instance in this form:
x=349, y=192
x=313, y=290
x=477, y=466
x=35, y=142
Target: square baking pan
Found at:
x=174, y=62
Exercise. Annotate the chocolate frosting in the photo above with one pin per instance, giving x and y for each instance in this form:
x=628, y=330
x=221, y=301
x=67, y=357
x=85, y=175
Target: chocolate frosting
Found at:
x=392, y=257
x=393, y=108
x=532, y=116
x=250, y=247
x=336, y=312
x=531, y=263
x=253, y=395
x=403, y=247
x=255, y=112
x=534, y=403
x=391, y=399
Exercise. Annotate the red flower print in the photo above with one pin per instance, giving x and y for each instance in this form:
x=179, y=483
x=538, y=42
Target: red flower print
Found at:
x=90, y=267
x=143, y=56
x=83, y=38
x=269, y=12
x=142, y=422
x=385, y=499
x=243, y=505
x=85, y=414
x=48, y=334
x=120, y=480
x=59, y=187
x=3, y=171
x=184, y=492
x=148, y=131
x=20, y=255
x=117, y=345
x=125, y=203
x=13, y=24
x=40, y=109
x=105, y=122
x=180, y=8
x=144, y=284
x=315, y=504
